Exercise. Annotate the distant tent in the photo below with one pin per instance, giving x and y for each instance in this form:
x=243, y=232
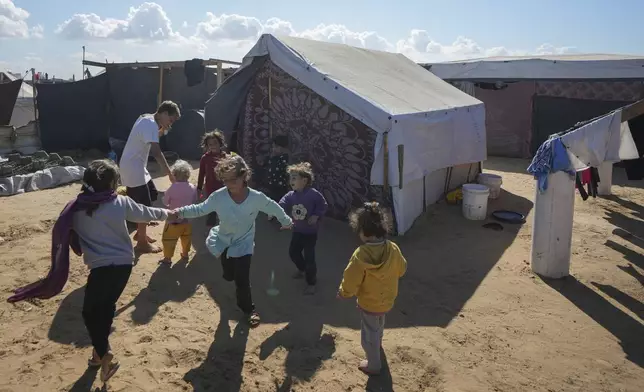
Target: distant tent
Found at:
x=341, y=107
x=23, y=110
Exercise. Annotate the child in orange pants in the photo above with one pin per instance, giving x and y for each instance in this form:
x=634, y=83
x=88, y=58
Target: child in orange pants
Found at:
x=180, y=194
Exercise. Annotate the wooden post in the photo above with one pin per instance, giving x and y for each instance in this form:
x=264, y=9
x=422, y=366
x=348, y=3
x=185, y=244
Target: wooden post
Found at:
x=270, y=105
x=605, y=179
x=385, y=179
x=401, y=162
x=34, y=92
x=552, y=227
x=220, y=73
x=160, y=97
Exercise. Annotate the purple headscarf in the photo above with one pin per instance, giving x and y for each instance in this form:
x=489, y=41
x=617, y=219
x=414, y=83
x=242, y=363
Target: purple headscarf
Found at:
x=63, y=237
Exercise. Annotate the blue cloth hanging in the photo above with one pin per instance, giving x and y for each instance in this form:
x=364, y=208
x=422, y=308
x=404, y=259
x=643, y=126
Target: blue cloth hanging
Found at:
x=551, y=157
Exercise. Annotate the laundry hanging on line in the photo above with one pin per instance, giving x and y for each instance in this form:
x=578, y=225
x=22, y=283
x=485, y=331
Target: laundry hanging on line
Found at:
x=194, y=70
x=551, y=157
x=589, y=178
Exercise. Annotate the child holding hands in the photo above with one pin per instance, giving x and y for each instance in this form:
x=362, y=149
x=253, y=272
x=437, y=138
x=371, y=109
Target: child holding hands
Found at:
x=233, y=240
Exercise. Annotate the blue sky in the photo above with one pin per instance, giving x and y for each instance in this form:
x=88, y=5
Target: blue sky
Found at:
x=50, y=37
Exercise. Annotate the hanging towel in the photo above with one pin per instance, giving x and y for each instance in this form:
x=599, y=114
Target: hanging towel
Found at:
x=551, y=157
x=194, y=70
x=63, y=237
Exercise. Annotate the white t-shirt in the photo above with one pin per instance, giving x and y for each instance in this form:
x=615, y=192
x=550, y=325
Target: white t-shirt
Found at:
x=134, y=160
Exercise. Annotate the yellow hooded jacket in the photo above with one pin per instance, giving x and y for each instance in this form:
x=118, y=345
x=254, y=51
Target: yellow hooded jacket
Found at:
x=372, y=275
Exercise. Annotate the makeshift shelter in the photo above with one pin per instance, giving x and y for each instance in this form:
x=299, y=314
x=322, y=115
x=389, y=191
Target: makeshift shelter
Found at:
x=24, y=110
x=374, y=125
x=527, y=98
x=99, y=111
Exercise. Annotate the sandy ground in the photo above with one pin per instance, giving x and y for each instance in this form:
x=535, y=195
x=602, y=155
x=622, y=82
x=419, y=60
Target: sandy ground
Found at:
x=471, y=316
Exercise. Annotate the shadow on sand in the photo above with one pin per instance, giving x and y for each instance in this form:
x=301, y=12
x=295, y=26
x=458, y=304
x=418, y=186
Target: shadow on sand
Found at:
x=627, y=330
x=445, y=268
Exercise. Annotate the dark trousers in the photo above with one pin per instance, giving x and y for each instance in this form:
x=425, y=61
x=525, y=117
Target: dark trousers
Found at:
x=212, y=219
x=302, y=252
x=237, y=269
x=104, y=287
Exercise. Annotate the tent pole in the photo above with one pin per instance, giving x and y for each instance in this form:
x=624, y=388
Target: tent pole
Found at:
x=220, y=73
x=160, y=97
x=401, y=160
x=385, y=180
x=270, y=106
x=34, y=92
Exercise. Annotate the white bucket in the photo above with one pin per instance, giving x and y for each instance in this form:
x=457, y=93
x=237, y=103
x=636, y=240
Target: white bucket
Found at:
x=493, y=182
x=475, y=201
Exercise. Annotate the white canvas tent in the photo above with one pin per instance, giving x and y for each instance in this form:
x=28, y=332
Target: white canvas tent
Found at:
x=24, y=109
x=409, y=109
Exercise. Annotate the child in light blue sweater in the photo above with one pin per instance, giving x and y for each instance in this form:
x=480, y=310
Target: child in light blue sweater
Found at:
x=233, y=240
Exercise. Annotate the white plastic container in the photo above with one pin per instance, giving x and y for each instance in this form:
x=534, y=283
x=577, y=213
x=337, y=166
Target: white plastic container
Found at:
x=493, y=182
x=475, y=201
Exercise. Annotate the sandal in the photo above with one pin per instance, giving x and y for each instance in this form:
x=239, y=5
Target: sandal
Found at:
x=94, y=361
x=108, y=367
x=254, y=320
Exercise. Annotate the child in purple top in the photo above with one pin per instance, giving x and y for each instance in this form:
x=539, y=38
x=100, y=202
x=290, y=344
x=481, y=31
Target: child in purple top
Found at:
x=306, y=206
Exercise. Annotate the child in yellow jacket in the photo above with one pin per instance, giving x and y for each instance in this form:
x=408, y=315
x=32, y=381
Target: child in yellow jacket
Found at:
x=372, y=276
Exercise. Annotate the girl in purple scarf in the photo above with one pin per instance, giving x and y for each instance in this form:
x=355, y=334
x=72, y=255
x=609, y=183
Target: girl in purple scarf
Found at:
x=93, y=225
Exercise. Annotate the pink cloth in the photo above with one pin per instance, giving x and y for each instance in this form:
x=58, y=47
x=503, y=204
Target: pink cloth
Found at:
x=180, y=194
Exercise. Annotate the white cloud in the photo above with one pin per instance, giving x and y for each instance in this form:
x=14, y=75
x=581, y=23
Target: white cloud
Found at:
x=13, y=22
x=148, y=22
x=149, y=34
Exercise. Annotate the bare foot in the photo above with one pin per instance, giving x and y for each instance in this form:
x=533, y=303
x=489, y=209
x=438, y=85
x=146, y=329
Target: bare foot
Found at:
x=146, y=248
x=109, y=366
x=94, y=361
x=149, y=239
x=364, y=368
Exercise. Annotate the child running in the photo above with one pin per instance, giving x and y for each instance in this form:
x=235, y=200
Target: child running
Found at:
x=233, y=240
x=180, y=194
x=372, y=275
x=215, y=146
x=306, y=206
x=94, y=225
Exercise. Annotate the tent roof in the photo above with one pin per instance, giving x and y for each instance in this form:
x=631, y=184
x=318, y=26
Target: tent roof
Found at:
x=25, y=90
x=547, y=67
x=389, y=81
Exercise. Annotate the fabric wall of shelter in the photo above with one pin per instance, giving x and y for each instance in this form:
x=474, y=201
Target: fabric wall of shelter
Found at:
x=223, y=109
x=8, y=94
x=596, y=90
x=339, y=147
x=175, y=88
x=73, y=115
x=186, y=134
x=508, y=119
x=554, y=114
x=132, y=92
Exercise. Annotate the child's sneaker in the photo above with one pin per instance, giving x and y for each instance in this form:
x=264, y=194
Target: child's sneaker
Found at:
x=298, y=275
x=309, y=290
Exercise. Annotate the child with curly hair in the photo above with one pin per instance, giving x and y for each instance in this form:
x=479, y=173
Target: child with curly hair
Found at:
x=181, y=193
x=306, y=206
x=233, y=240
x=214, y=146
x=372, y=276
x=94, y=225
